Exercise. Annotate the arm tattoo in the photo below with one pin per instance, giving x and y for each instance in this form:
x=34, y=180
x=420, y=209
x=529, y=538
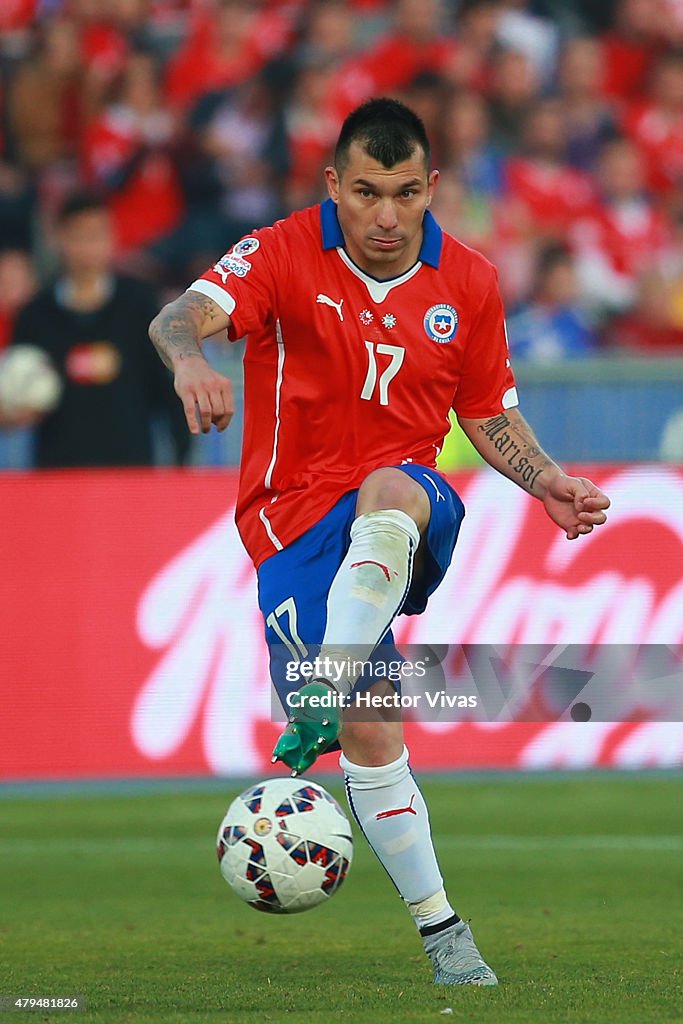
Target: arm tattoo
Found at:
x=515, y=442
x=175, y=332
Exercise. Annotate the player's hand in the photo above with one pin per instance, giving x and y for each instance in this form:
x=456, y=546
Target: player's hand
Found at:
x=206, y=395
x=575, y=504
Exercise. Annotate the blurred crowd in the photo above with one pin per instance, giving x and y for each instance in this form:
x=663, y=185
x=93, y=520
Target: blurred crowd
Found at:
x=557, y=126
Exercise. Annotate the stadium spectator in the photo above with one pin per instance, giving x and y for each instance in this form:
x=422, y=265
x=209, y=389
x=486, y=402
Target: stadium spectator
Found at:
x=650, y=327
x=552, y=325
x=427, y=96
x=623, y=235
x=656, y=125
x=512, y=94
x=466, y=148
x=469, y=215
x=311, y=128
x=17, y=286
x=546, y=192
x=630, y=48
x=226, y=47
x=243, y=154
x=93, y=325
x=51, y=98
x=105, y=37
x=17, y=206
x=415, y=44
x=470, y=62
x=519, y=28
x=128, y=155
x=328, y=36
x=589, y=117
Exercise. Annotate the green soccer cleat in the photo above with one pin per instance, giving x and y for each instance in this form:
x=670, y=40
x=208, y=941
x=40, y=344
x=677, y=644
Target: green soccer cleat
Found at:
x=311, y=729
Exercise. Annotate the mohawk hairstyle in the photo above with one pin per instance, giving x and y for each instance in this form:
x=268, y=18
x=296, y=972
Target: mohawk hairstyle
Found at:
x=388, y=131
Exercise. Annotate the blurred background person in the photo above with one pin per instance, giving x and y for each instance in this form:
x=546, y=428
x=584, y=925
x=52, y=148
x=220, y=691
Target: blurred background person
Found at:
x=552, y=325
x=469, y=215
x=470, y=63
x=311, y=129
x=128, y=155
x=521, y=28
x=655, y=124
x=630, y=46
x=513, y=91
x=588, y=115
x=466, y=146
x=234, y=172
x=17, y=285
x=227, y=43
x=417, y=42
x=547, y=192
x=93, y=323
x=624, y=233
x=650, y=327
x=50, y=99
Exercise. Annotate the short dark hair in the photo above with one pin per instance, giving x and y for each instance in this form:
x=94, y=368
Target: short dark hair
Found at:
x=388, y=131
x=80, y=202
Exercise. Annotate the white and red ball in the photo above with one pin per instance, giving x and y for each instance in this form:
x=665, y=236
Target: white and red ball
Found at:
x=285, y=845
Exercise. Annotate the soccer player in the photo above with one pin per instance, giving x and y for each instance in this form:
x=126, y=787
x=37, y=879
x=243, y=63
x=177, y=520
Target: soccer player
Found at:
x=365, y=324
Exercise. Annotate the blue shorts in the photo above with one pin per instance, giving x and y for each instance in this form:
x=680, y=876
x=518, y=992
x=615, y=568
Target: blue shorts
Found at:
x=293, y=583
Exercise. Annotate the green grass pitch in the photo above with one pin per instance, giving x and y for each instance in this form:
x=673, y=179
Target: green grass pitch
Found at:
x=573, y=885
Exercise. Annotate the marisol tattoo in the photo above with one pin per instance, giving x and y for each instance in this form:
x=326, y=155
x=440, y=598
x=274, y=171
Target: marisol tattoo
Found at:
x=500, y=430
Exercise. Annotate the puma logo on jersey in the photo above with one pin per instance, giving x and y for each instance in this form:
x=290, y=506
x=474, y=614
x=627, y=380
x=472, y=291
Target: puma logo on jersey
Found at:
x=327, y=301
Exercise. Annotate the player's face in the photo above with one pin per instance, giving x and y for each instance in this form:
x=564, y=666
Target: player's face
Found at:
x=381, y=208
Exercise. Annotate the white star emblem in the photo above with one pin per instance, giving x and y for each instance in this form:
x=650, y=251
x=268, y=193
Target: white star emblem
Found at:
x=366, y=316
x=389, y=320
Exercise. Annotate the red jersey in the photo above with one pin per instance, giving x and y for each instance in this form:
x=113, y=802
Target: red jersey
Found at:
x=149, y=203
x=630, y=236
x=553, y=195
x=345, y=374
x=660, y=140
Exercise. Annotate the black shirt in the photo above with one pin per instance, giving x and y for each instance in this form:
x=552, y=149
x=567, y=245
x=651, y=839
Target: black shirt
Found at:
x=114, y=382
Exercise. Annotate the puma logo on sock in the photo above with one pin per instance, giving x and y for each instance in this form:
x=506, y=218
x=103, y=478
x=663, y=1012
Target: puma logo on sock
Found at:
x=385, y=569
x=398, y=810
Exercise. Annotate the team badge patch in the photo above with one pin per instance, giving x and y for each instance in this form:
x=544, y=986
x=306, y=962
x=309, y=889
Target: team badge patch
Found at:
x=441, y=323
x=234, y=262
x=246, y=247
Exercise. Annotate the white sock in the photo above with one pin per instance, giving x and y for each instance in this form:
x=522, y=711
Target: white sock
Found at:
x=401, y=841
x=369, y=589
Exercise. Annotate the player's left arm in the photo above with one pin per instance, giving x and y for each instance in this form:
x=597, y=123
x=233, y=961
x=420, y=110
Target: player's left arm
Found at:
x=508, y=443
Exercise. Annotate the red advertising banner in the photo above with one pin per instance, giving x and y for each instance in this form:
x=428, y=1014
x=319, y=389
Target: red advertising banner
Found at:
x=132, y=644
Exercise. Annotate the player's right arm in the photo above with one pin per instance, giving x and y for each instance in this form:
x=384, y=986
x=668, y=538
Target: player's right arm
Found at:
x=176, y=333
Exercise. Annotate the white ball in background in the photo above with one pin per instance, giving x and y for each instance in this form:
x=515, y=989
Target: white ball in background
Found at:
x=28, y=381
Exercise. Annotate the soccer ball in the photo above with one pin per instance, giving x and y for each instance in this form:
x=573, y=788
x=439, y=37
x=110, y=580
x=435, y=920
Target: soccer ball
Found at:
x=28, y=381
x=285, y=846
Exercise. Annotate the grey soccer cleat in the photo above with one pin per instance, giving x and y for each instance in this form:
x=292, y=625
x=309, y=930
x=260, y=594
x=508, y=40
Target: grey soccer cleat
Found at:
x=456, y=959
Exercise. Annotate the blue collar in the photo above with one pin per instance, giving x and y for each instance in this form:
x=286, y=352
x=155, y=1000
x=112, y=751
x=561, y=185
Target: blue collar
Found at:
x=430, y=250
